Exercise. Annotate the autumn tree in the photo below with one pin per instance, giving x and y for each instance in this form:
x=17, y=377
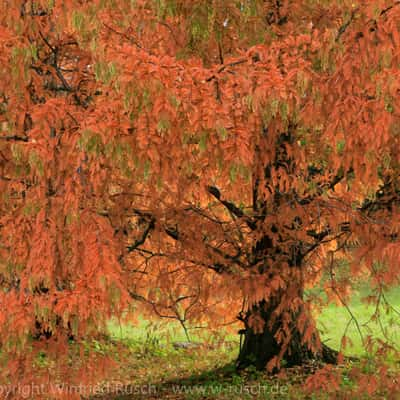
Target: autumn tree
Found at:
x=205, y=160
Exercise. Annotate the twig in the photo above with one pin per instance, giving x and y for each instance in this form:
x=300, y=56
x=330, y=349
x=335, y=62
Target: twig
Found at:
x=344, y=27
x=15, y=138
x=124, y=35
x=232, y=64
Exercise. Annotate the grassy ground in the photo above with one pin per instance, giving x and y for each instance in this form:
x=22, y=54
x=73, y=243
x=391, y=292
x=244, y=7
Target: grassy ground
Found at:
x=154, y=369
x=358, y=321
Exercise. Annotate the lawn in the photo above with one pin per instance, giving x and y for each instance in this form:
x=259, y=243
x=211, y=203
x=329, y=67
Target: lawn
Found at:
x=335, y=321
x=207, y=372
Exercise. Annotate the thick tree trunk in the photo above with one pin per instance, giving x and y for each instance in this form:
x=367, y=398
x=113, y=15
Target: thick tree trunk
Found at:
x=289, y=336
x=259, y=348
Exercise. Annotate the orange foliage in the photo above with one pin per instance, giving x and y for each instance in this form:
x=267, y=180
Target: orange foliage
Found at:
x=147, y=148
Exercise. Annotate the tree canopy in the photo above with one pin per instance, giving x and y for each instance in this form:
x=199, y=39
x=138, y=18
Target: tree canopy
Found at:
x=197, y=159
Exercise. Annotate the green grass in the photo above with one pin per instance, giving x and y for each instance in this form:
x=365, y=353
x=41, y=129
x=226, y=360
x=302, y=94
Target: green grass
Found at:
x=162, y=334
x=209, y=373
x=143, y=354
x=334, y=322
x=357, y=322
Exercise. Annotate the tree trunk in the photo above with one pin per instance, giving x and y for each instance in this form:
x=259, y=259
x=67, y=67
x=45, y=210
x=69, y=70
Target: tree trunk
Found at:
x=260, y=348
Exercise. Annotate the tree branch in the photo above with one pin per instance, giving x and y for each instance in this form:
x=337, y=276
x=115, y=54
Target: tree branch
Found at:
x=145, y=234
x=15, y=138
x=231, y=207
x=344, y=27
x=221, y=69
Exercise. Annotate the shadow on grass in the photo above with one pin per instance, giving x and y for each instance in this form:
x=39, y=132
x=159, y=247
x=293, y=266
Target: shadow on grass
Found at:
x=205, y=385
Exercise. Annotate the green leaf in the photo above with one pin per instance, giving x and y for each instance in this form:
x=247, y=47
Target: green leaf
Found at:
x=74, y=325
x=284, y=110
x=146, y=169
x=163, y=125
x=222, y=133
x=340, y=145
x=77, y=20
x=248, y=100
x=387, y=58
x=175, y=102
x=36, y=163
x=94, y=145
x=233, y=173
x=33, y=52
x=274, y=107
x=31, y=209
x=16, y=152
x=386, y=160
x=105, y=72
x=203, y=142
x=244, y=172
x=389, y=105
x=159, y=183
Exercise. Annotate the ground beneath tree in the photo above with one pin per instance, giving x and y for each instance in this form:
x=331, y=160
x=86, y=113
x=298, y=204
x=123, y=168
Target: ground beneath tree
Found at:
x=204, y=373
